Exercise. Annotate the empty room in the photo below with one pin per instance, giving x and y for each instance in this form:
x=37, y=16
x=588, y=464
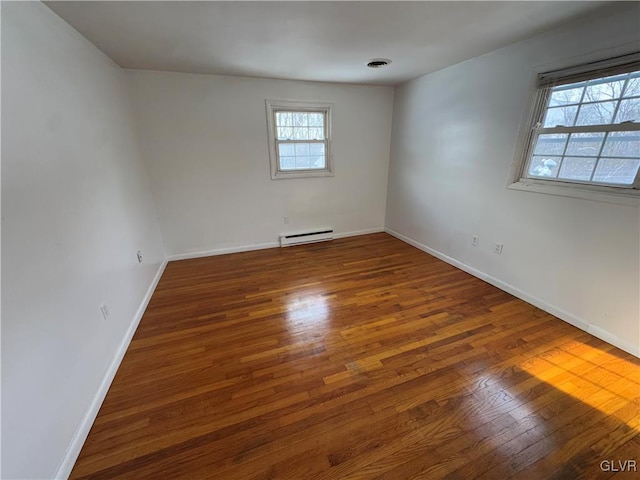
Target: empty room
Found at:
x=320, y=240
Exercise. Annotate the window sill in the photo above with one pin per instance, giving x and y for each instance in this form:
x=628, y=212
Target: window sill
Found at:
x=629, y=198
x=300, y=174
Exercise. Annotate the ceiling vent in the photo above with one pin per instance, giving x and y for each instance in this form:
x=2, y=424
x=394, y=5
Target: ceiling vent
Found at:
x=378, y=63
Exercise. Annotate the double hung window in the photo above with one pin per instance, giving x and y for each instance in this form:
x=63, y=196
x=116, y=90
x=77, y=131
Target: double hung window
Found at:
x=299, y=139
x=586, y=127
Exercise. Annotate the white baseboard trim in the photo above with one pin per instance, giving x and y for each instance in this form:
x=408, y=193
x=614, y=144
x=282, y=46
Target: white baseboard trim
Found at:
x=258, y=246
x=357, y=233
x=594, y=330
x=71, y=455
x=222, y=251
x=608, y=337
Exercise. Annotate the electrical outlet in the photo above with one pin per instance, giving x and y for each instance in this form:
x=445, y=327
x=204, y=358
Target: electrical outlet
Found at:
x=474, y=240
x=104, y=309
x=286, y=220
x=139, y=256
x=498, y=248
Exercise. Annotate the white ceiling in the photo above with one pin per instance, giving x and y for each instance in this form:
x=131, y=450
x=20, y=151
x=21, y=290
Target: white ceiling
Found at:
x=321, y=41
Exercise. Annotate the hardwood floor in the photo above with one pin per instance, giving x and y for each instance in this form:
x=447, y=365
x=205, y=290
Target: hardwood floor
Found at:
x=362, y=358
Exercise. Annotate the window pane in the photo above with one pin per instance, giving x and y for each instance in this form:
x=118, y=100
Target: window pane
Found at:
x=577, y=168
x=544, y=166
x=300, y=133
x=550, y=144
x=302, y=149
x=284, y=119
x=596, y=113
x=633, y=86
x=295, y=125
x=565, y=96
x=560, y=116
x=585, y=144
x=318, y=162
x=617, y=170
x=302, y=156
x=629, y=110
x=300, y=119
x=303, y=162
x=286, y=150
x=316, y=149
x=285, y=133
x=605, y=89
x=622, y=144
x=287, y=163
x=316, y=134
x=316, y=120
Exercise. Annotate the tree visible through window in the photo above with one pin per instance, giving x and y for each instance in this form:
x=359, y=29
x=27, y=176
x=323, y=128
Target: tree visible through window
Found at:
x=301, y=140
x=588, y=131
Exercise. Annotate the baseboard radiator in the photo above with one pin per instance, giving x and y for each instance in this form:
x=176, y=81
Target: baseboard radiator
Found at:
x=306, y=237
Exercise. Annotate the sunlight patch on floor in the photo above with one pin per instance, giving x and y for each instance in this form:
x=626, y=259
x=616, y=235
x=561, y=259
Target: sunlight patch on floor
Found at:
x=595, y=376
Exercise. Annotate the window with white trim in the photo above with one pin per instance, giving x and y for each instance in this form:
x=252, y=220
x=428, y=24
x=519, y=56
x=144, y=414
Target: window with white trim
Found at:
x=586, y=127
x=299, y=139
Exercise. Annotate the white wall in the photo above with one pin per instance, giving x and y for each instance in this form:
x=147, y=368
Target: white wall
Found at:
x=204, y=140
x=76, y=206
x=453, y=143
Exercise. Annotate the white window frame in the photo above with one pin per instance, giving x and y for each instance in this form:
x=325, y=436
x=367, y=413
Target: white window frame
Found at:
x=563, y=187
x=274, y=106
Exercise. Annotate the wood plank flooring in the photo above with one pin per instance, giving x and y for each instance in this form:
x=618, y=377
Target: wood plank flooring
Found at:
x=361, y=358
